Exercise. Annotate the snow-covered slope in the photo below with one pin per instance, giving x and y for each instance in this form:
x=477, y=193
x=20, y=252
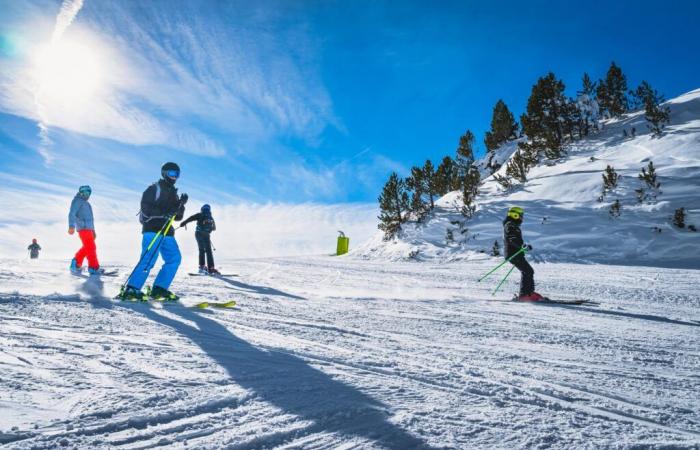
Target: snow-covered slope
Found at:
x=339, y=353
x=564, y=221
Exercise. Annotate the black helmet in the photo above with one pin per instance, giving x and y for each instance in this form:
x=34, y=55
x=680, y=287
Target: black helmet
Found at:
x=170, y=171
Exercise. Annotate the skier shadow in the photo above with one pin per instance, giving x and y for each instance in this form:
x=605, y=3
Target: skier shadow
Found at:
x=264, y=290
x=630, y=315
x=289, y=383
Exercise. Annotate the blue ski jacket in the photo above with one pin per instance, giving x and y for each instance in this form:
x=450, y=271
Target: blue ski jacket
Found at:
x=80, y=216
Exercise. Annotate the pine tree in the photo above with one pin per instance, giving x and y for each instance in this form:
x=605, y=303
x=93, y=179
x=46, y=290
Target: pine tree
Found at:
x=610, y=179
x=657, y=116
x=393, y=204
x=446, y=177
x=429, y=182
x=612, y=92
x=615, y=209
x=543, y=123
x=415, y=184
x=496, y=249
x=505, y=182
x=679, y=218
x=648, y=175
x=470, y=189
x=587, y=105
x=465, y=155
x=503, y=127
x=518, y=167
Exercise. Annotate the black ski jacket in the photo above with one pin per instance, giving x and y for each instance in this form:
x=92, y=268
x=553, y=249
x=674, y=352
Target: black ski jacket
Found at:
x=34, y=250
x=205, y=222
x=158, y=202
x=512, y=236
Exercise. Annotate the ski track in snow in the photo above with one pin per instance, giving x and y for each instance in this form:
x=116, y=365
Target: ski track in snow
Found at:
x=328, y=352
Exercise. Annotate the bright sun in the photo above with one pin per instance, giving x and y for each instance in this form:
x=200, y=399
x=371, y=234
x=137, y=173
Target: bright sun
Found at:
x=68, y=71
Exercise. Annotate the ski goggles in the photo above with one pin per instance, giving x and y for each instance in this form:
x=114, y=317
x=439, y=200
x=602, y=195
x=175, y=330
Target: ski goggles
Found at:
x=85, y=190
x=172, y=173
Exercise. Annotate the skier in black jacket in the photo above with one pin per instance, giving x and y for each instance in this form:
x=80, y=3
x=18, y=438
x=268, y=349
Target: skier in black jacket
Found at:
x=34, y=248
x=205, y=226
x=513, y=242
x=159, y=203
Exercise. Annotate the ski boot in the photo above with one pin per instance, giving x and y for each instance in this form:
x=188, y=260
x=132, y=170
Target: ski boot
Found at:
x=130, y=293
x=97, y=271
x=534, y=297
x=74, y=267
x=203, y=270
x=164, y=295
x=213, y=271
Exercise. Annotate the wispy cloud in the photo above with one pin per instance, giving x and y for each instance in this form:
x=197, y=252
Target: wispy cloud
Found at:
x=198, y=79
x=66, y=16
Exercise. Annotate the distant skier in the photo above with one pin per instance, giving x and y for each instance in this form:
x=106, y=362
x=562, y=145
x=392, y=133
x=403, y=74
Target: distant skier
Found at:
x=34, y=249
x=513, y=242
x=159, y=203
x=80, y=219
x=205, y=226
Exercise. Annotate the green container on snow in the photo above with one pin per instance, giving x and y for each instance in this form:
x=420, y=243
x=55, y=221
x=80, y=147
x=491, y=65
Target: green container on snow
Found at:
x=343, y=245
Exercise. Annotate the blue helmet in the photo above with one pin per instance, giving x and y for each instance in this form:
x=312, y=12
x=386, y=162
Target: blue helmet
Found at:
x=85, y=191
x=206, y=209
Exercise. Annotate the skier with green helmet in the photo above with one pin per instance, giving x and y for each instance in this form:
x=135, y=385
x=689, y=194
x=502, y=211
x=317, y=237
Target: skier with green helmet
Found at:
x=513, y=243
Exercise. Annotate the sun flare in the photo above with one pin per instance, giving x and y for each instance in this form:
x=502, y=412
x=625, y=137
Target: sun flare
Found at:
x=68, y=71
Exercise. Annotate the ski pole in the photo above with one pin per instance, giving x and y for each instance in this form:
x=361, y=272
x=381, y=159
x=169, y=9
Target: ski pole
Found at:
x=522, y=249
x=164, y=227
x=160, y=241
x=502, y=281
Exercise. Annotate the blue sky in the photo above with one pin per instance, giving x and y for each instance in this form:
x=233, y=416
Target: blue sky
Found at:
x=295, y=101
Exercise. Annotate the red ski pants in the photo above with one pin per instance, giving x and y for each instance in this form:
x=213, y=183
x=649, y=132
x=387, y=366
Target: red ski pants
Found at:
x=88, y=250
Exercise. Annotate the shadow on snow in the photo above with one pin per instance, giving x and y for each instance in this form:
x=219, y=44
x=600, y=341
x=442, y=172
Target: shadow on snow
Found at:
x=288, y=382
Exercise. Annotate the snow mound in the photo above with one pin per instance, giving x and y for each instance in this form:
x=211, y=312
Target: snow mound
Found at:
x=564, y=219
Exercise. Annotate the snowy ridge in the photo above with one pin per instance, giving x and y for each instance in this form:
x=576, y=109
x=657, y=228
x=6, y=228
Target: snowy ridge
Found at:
x=325, y=352
x=564, y=221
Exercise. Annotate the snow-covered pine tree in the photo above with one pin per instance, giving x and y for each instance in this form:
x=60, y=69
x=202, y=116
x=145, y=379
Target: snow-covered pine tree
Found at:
x=505, y=182
x=588, y=105
x=543, y=123
x=393, y=205
x=518, y=166
x=612, y=92
x=503, y=127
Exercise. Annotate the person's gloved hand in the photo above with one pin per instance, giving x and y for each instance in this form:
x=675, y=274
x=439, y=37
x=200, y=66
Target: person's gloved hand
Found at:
x=183, y=199
x=528, y=247
x=94, y=234
x=71, y=230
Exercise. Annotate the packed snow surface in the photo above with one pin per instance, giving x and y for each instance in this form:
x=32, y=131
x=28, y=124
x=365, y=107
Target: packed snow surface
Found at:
x=325, y=352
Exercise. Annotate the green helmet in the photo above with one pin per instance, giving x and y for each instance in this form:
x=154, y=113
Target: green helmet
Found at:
x=516, y=212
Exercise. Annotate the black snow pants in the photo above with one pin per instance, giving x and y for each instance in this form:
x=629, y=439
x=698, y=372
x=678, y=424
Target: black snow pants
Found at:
x=204, y=244
x=527, y=274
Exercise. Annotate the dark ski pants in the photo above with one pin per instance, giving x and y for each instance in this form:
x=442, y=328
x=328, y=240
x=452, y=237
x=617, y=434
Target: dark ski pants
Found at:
x=527, y=274
x=204, y=244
